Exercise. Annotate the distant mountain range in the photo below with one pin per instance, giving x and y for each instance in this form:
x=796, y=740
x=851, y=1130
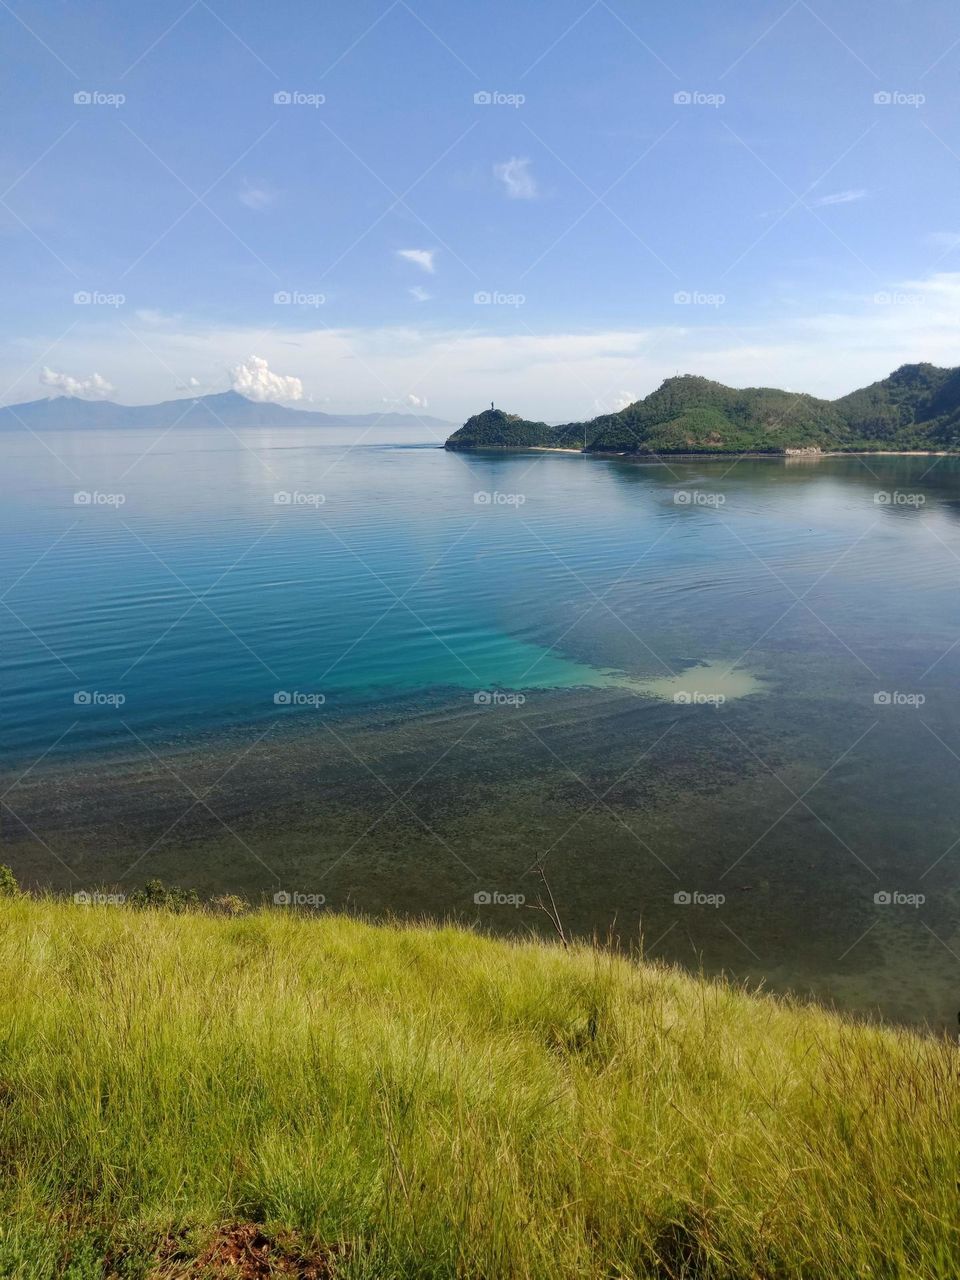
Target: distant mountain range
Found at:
x=917, y=407
x=229, y=409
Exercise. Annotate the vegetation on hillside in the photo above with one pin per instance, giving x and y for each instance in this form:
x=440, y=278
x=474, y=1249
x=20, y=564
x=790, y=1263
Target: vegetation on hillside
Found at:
x=917, y=407
x=186, y=1094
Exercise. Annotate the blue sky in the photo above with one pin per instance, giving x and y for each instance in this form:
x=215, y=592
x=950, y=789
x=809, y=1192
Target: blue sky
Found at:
x=781, y=227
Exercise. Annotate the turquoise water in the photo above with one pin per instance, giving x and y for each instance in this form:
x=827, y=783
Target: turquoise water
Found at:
x=200, y=601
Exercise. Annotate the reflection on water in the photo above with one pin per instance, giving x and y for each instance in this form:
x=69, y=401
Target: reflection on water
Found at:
x=318, y=664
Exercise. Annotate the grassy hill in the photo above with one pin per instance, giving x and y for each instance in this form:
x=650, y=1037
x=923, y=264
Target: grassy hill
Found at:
x=917, y=407
x=186, y=1095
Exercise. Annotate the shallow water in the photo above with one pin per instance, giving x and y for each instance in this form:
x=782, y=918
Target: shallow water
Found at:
x=730, y=678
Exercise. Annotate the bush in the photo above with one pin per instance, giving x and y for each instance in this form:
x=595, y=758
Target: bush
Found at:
x=163, y=897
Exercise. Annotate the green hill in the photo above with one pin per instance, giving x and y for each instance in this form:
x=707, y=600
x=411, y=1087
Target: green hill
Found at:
x=183, y=1095
x=495, y=429
x=917, y=407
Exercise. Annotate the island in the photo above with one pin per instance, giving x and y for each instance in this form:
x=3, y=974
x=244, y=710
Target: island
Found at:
x=915, y=409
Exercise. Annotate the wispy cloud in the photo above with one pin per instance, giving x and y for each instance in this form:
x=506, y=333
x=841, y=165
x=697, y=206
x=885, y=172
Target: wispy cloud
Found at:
x=516, y=177
x=420, y=294
x=419, y=257
x=839, y=197
x=257, y=197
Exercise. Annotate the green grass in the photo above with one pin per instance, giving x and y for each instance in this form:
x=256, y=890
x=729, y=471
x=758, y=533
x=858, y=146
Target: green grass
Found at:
x=444, y=1105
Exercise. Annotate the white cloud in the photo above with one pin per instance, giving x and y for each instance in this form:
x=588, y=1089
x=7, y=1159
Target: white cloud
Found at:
x=554, y=375
x=255, y=380
x=517, y=178
x=838, y=197
x=420, y=257
x=94, y=388
x=409, y=401
x=420, y=294
x=257, y=197
x=944, y=239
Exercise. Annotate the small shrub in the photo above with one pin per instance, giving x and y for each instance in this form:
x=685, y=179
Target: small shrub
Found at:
x=159, y=896
x=229, y=904
x=8, y=883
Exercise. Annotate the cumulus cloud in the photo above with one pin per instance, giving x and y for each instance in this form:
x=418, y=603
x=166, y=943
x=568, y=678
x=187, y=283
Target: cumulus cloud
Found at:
x=838, y=197
x=255, y=380
x=419, y=257
x=94, y=388
x=516, y=177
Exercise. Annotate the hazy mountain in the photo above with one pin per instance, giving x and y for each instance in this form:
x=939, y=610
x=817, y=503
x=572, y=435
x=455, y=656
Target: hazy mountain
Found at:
x=916, y=407
x=229, y=409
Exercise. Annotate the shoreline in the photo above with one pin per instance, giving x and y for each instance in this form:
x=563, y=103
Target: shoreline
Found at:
x=700, y=457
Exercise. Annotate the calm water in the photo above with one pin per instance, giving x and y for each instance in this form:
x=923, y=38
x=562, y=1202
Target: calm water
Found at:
x=641, y=596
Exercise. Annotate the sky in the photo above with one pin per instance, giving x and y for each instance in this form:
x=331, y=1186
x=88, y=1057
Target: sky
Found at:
x=428, y=206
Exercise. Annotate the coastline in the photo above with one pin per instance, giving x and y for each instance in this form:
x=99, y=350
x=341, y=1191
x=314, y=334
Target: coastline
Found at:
x=700, y=457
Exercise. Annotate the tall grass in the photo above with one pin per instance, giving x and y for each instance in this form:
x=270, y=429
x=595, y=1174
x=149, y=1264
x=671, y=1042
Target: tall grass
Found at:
x=443, y=1105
